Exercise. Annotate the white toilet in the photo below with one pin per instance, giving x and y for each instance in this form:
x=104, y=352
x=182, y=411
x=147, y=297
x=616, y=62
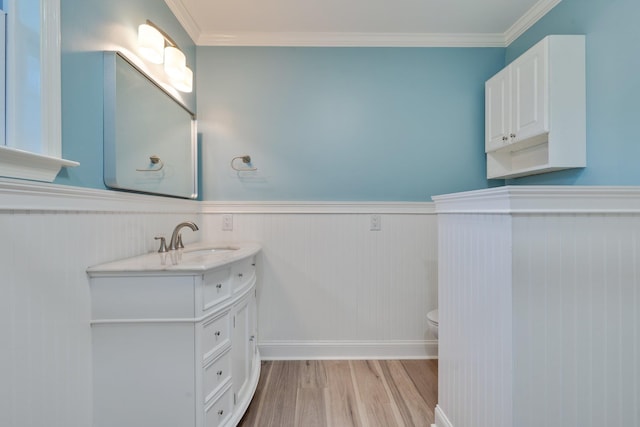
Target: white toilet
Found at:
x=432, y=320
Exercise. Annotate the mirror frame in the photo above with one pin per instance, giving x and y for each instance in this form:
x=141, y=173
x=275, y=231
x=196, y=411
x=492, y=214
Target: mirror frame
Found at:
x=111, y=178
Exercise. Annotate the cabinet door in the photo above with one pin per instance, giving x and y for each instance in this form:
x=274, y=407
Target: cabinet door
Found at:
x=530, y=93
x=497, y=110
x=253, y=330
x=241, y=349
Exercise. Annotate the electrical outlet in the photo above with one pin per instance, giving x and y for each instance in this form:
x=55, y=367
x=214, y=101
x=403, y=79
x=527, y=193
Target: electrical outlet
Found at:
x=374, y=223
x=227, y=222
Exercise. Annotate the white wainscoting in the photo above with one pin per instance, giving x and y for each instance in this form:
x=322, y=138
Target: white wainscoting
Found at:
x=328, y=283
x=576, y=320
x=330, y=288
x=50, y=235
x=573, y=295
x=474, y=367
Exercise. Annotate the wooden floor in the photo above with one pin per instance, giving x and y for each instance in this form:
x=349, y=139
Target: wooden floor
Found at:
x=367, y=393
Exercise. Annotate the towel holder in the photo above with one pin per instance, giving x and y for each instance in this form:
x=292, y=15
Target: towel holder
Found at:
x=246, y=160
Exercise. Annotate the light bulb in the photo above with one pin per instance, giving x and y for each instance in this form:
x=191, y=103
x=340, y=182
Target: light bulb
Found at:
x=185, y=84
x=151, y=43
x=175, y=63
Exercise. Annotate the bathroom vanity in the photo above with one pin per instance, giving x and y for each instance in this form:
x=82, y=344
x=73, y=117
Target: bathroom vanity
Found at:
x=175, y=338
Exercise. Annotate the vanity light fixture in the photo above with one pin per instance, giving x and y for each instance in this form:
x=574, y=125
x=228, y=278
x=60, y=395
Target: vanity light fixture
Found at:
x=151, y=43
x=185, y=84
x=158, y=47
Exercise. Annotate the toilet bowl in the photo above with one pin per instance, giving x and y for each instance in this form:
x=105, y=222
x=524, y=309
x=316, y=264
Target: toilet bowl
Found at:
x=432, y=321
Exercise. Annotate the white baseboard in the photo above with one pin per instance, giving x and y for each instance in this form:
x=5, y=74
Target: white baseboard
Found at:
x=441, y=418
x=342, y=350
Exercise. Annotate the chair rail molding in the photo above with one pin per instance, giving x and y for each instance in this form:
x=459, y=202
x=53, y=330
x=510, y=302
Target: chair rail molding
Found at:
x=285, y=207
x=19, y=195
x=542, y=199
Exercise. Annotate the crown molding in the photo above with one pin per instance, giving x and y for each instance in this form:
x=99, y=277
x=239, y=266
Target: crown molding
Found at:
x=542, y=199
x=355, y=39
x=526, y=21
x=329, y=39
x=185, y=19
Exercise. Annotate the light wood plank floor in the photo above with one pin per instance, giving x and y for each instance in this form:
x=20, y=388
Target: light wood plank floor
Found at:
x=365, y=393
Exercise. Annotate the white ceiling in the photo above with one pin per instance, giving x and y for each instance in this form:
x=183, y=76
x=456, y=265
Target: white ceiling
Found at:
x=357, y=22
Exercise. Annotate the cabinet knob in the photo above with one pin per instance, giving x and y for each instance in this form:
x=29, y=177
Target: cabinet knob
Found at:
x=253, y=265
x=239, y=274
x=220, y=412
x=219, y=373
x=217, y=333
x=513, y=135
x=505, y=138
x=219, y=286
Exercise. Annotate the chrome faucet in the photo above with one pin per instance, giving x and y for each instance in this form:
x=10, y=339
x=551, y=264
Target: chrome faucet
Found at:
x=176, y=237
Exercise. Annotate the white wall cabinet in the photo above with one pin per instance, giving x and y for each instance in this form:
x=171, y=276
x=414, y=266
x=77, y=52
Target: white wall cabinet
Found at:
x=535, y=111
x=174, y=348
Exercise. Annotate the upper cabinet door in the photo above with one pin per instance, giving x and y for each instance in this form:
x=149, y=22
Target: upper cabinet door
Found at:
x=498, y=110
x=530, y=99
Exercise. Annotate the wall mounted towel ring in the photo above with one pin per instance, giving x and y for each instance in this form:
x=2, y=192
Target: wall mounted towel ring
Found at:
x=246, y=160
x=155, y=160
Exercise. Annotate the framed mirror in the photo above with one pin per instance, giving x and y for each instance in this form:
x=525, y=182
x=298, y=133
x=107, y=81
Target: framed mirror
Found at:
x=149, y=137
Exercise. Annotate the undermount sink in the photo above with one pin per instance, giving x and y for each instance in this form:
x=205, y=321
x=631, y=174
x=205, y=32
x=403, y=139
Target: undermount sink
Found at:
x=207, y=251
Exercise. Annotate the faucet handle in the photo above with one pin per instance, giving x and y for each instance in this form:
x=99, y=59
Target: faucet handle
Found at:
x=179, y=244
x=163, y=244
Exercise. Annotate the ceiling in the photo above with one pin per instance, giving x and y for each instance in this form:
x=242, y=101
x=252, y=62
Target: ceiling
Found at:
x=357, y=22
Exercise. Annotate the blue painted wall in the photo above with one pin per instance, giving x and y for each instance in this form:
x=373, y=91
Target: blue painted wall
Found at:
x=353, y=123
x=88, y=27
x=350, y=124
x=613, y=87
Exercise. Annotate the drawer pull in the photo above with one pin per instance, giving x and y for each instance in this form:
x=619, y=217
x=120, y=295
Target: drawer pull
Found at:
x=219, y=373
x=217, y=333
x=253, y=265
x=220, y=412
x=239, y=274
x=219, y=286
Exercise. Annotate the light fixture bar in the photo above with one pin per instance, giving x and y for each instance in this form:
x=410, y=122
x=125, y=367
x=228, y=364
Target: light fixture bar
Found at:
x=166, y=36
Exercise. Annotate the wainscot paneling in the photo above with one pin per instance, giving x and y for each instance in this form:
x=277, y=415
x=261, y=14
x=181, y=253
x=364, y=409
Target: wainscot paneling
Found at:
x=475, y=376
x=50, y=235
x=539, y=288
x=330, y=287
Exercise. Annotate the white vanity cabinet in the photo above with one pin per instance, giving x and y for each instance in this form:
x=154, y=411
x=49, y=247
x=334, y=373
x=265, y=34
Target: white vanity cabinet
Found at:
x=535, y=110
x=174, y=344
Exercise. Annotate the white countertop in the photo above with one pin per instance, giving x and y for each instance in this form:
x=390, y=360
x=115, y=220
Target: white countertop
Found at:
x=192, y=259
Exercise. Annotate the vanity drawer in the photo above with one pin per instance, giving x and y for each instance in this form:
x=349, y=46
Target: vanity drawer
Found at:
x=215, y=335
x=215, y=288
x=217, y=413
x=216, y=374
x=243, y=272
